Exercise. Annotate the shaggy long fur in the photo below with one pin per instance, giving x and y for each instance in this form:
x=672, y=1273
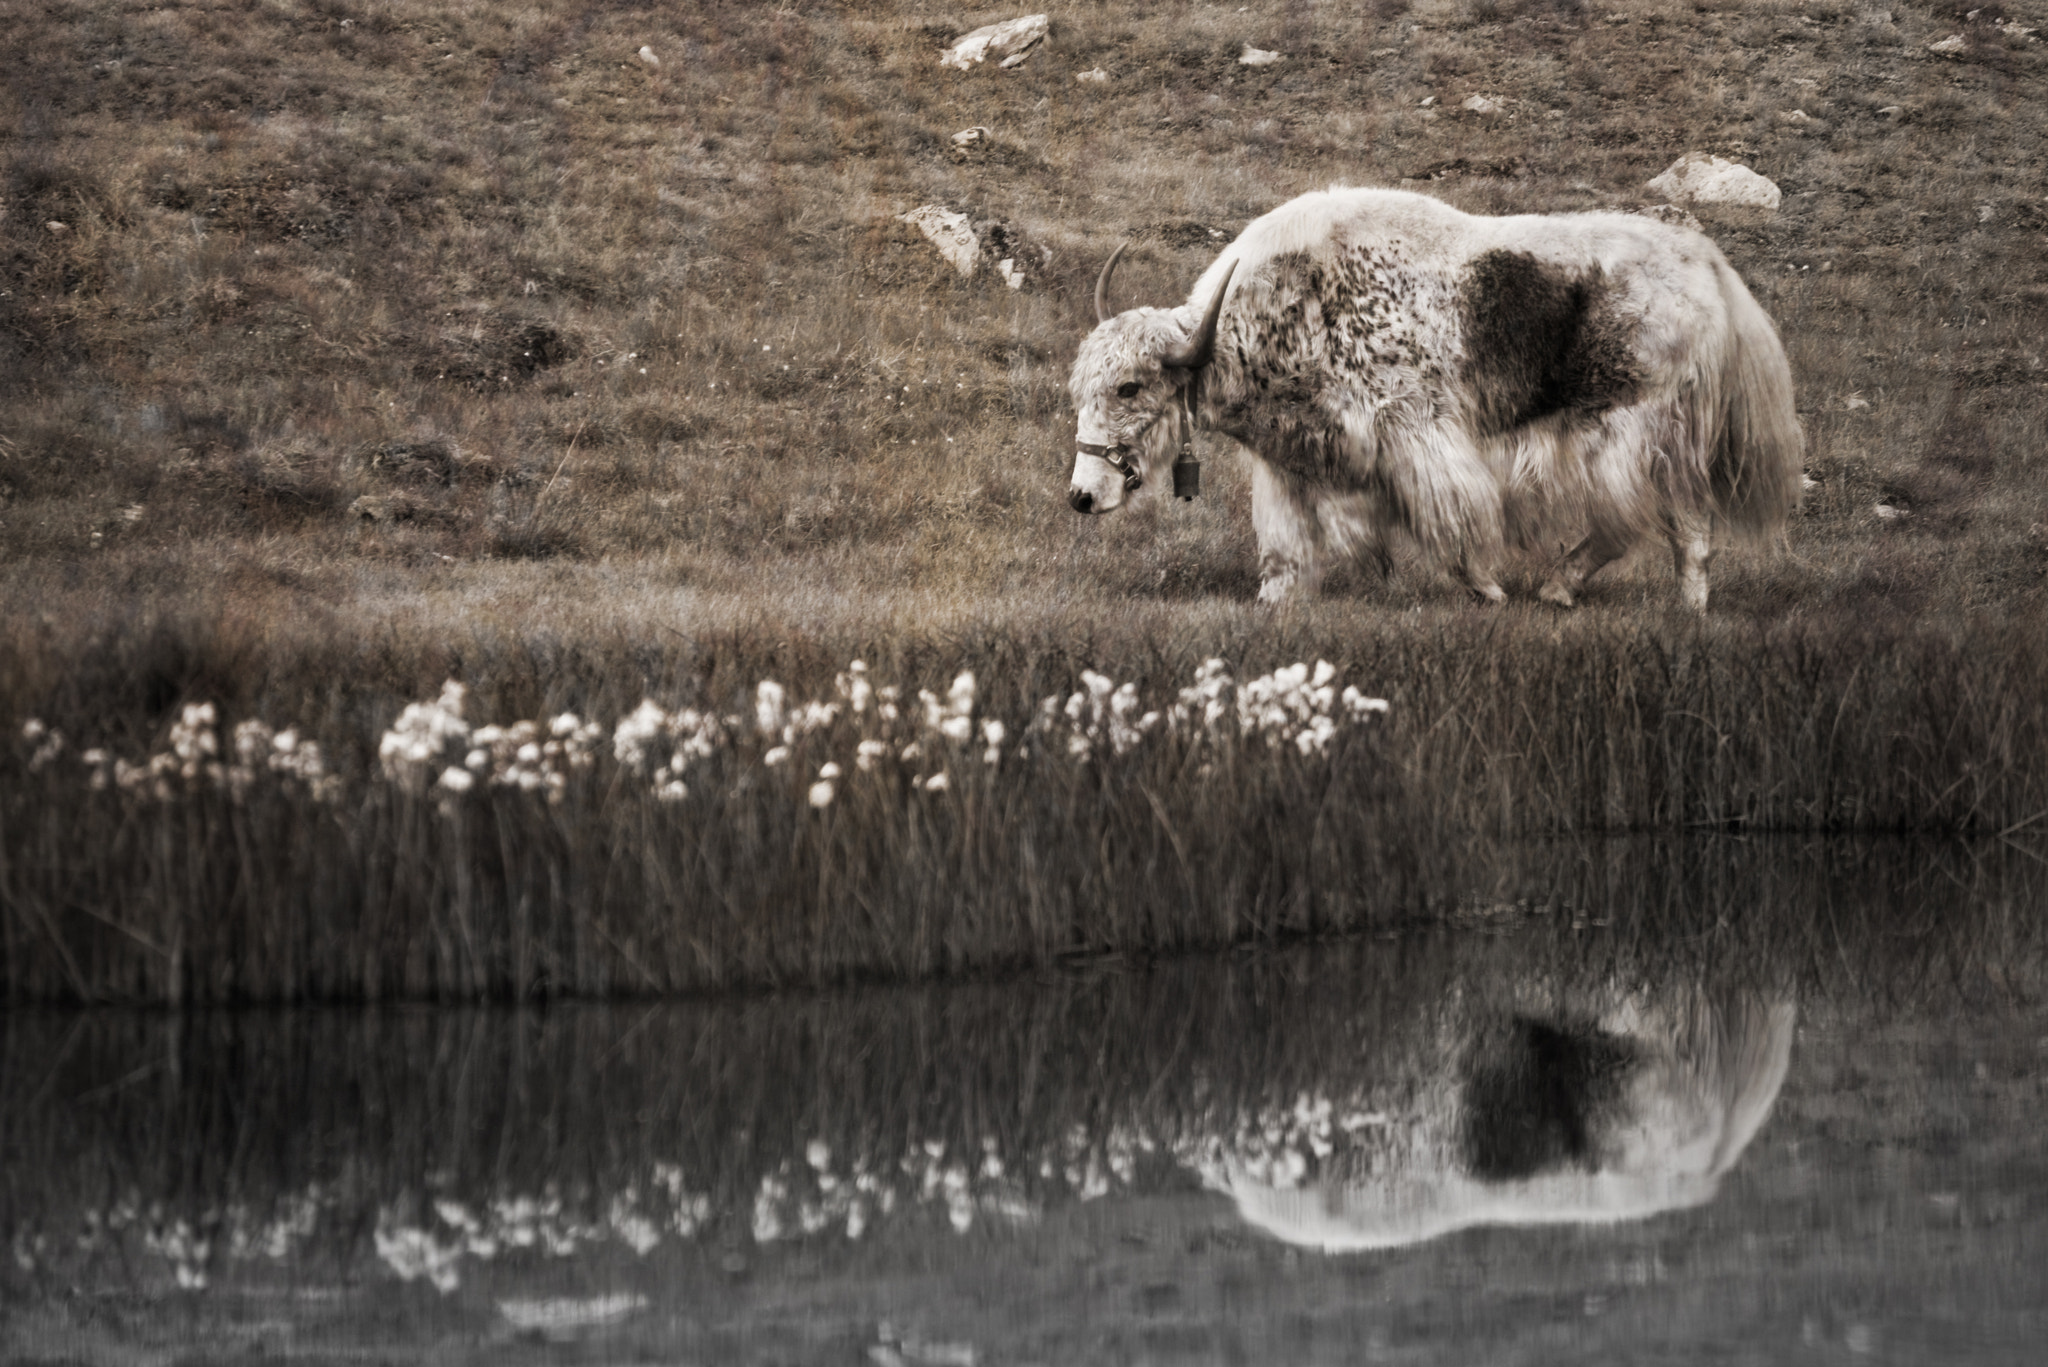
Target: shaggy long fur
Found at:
x=1568, y=383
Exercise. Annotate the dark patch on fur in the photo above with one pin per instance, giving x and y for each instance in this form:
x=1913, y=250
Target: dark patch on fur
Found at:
x=1540, y=340
x=1534, y=1106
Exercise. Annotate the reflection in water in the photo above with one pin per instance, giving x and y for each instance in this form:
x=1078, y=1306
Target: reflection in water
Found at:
x=1032, y=1172
x=1362, y=1096
x=1356, y=1096
x=1636, y=1113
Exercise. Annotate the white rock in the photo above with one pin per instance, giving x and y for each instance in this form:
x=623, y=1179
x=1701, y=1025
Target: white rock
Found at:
x=1258, y=56
x=949, y=232
x=1953, y=43
x=1480, y=104
x=1012, y=277
x=1095, y=77
x=1008, y=42
x=1891, y=111
x=1889, y=512
x=1854, y=402
x=1426, y=101
x=1698, y=178
x=1795, y=116
x=647, y=56
x=969, y=137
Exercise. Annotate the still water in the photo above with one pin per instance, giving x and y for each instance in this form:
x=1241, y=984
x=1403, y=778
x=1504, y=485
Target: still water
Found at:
x=1528, y=1137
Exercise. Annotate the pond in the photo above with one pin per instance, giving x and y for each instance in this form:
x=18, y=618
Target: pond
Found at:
x=1524, y=1137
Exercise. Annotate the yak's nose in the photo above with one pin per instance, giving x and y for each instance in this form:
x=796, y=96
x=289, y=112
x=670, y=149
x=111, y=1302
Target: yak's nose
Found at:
x=1083, y=501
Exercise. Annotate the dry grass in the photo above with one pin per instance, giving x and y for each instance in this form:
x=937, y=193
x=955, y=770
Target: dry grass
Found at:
x=384, y=342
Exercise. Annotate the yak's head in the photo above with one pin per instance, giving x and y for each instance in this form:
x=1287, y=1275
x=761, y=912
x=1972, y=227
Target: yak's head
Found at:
x=1132, y=389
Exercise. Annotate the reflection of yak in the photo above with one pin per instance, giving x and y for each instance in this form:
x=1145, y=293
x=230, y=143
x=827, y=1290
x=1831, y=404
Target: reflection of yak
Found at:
x=1554, y=1122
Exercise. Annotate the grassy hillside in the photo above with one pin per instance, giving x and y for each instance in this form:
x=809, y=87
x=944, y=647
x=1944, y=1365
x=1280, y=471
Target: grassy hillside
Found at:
x=345, y=348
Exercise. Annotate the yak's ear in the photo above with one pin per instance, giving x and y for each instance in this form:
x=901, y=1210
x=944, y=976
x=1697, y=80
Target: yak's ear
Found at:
x=1195, y=353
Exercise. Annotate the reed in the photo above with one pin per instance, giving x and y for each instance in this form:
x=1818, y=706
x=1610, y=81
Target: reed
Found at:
x=844, y=828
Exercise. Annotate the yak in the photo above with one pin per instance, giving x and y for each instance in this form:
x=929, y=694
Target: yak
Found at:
x=1565, y=384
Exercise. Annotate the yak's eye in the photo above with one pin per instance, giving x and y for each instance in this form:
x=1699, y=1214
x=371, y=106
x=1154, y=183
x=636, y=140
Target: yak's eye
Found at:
x=1127, y=390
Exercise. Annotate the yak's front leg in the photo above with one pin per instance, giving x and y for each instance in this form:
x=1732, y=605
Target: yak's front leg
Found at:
x=1285, y=523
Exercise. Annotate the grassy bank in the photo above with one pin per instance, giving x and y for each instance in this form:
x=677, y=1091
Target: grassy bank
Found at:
x=349, y=348
x=801, y=832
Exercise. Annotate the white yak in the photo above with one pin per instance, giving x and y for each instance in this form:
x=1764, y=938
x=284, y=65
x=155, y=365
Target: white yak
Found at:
x=1563, y=383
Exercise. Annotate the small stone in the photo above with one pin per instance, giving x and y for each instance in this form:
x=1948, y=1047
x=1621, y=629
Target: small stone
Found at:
x=1950, y=45
x=949, y=232
x=1095, y=77
x=1480, y=104
x=647, y=56
x=1255, y=56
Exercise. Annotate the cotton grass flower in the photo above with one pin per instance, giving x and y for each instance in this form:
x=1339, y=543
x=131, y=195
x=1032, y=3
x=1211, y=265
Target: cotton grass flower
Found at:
x=854, y=687
x=423, y=729
x=768, y=707
x=1294, y=711
x=49, y=744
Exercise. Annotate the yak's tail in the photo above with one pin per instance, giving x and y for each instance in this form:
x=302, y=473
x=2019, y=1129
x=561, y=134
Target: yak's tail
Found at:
x=1755, y=470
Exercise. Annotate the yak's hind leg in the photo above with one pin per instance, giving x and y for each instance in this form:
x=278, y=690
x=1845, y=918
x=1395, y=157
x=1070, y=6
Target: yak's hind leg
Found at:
x=1475, y=572
x=1597, y=550
x=1621, y=479
x=1451, y=501
x=1692, y=550
x=1285, y=522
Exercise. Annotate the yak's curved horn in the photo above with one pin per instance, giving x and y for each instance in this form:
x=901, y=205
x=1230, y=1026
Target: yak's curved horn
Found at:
x=1102, y=283
x=1195, y=354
